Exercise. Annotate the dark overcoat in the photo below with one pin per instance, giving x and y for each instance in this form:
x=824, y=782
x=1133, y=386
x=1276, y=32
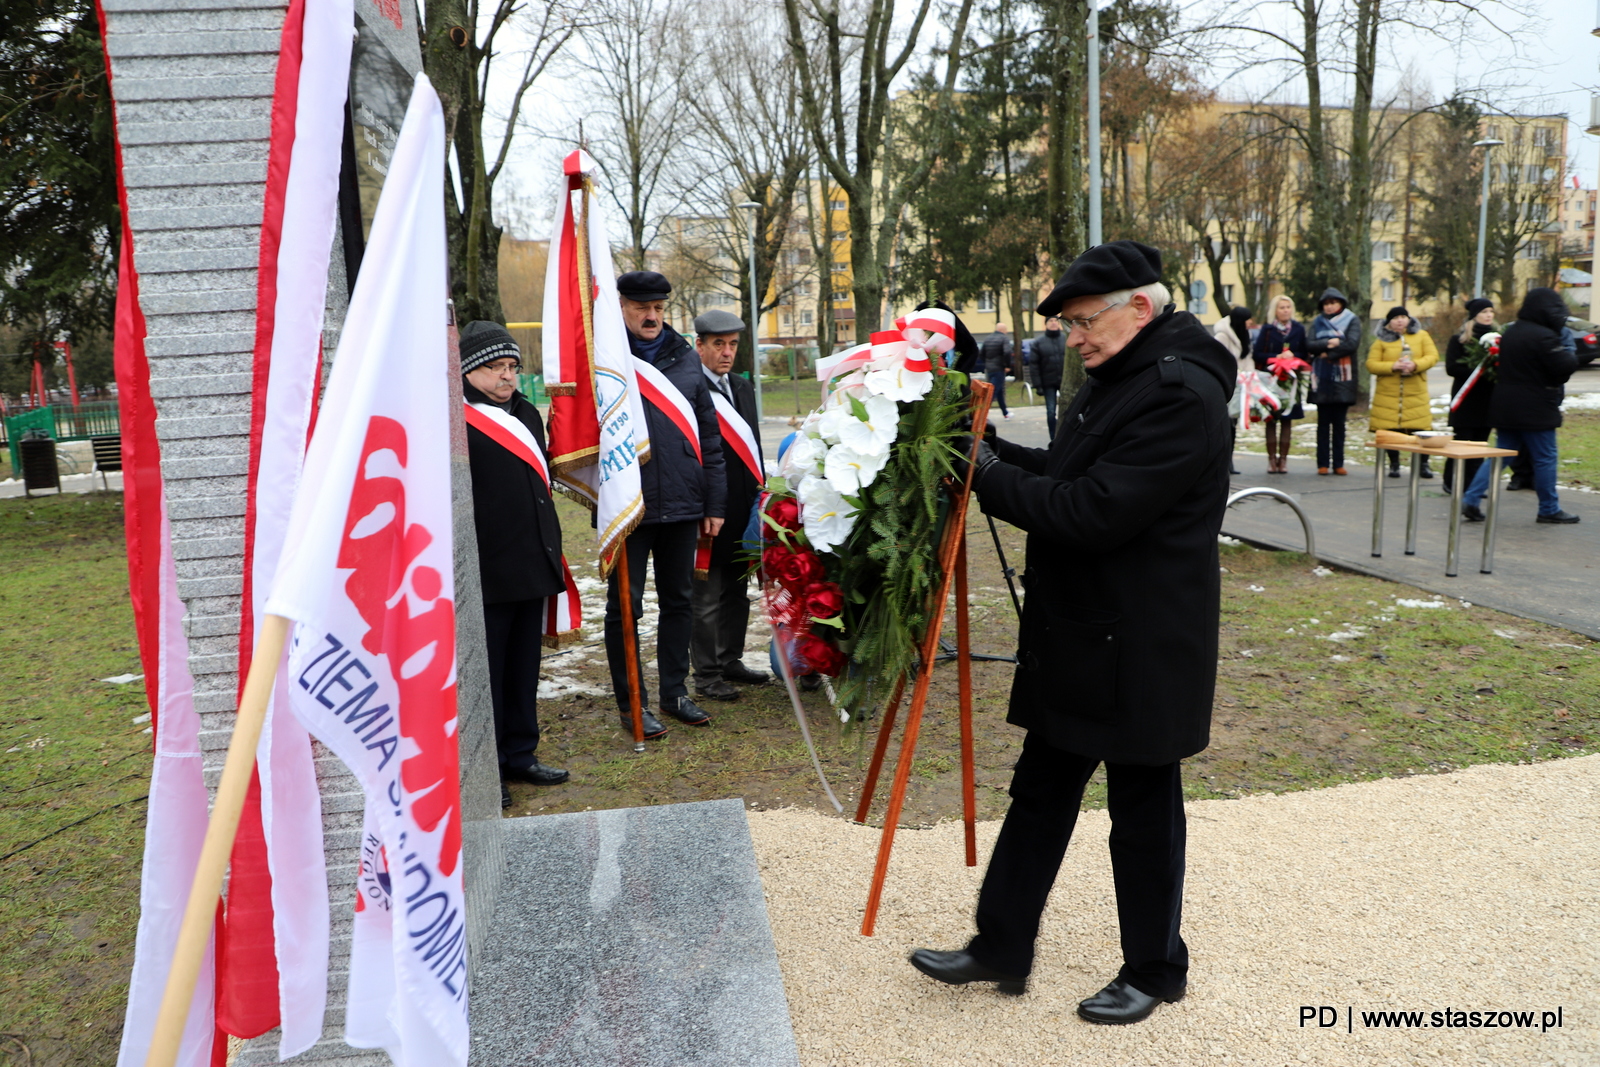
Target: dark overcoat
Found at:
x=1117, y=657
x=1474, y=410
x=676, y=486
x=1534, y=366
x=1049, y=353
x=519, y=534
x=742, y=485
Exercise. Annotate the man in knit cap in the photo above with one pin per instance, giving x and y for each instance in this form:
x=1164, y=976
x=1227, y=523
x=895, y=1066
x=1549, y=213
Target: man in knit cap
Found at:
x=519, y=551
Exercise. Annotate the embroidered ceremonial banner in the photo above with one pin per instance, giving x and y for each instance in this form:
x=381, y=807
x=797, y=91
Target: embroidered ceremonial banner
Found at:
x=367, y=575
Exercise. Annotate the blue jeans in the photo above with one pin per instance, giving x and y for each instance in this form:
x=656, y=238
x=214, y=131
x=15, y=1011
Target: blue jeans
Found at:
x=1540, y=446
x=1051, y=393
x=999, y=383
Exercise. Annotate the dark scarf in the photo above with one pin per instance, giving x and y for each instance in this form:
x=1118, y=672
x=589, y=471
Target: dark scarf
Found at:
x=647, y=350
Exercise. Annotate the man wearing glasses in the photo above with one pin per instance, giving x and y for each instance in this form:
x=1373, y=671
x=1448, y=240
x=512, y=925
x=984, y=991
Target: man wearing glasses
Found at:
x=1117, y=655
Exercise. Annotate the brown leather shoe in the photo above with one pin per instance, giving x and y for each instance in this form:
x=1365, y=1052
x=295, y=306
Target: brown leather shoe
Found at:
x=1322, y=470
x=1340, y=470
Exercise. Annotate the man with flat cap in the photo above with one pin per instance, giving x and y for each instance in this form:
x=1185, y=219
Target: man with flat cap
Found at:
x=722, y=600
x=685, y=493
x=1117, y=654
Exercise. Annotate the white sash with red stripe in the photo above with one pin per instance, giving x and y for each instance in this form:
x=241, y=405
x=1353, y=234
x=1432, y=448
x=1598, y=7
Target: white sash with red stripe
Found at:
x=659, y=392
x=738, y=436
x=563, y=614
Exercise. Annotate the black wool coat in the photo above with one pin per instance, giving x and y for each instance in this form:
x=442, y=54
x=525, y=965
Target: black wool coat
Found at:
x=742, y=486
x=677, y=487
x=1474, y=410
x=1117, y=656
x=519, y=534
x=1049, y=353
x=1534, y=367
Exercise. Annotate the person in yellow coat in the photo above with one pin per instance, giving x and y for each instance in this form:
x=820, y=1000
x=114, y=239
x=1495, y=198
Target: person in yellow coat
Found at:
x=1399, y=360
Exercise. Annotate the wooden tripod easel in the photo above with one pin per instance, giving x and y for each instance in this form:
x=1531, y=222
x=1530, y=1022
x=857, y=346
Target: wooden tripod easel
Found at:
x=952, y=567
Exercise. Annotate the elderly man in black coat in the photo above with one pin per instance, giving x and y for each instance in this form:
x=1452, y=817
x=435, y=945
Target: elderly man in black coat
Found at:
x=1117, y=657
x=519, y=552
x=1526, y=408
x=685, y=497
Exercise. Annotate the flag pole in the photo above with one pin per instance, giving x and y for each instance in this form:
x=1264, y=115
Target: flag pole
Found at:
x=969, y=800
x=200, y=914
x=630, y=644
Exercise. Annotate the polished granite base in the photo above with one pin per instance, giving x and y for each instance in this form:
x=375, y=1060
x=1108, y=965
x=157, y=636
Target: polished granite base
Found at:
x=636, y=936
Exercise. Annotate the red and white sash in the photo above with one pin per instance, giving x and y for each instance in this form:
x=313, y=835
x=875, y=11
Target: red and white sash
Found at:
x=738, y=436
x=563, y=613
x=659, y=392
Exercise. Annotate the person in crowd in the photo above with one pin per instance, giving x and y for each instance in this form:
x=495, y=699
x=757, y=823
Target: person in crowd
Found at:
x=1049, y=359
x=997, y=363
x=722, y=600
x=1232, y=331
x=1281, y=335
x=685, y=490
x=1526, y=407
x=1470, y=418
x=1399, y=360
x=1332, y=341
x=1117, y=656
x=519, y=552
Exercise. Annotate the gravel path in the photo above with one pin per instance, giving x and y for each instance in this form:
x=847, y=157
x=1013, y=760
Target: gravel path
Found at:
x=1478, y=890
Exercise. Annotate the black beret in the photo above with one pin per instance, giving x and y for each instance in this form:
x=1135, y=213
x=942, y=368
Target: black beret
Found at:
x=1477, y=304
x=644, y=285
x=484, y=342
x=1104, y=269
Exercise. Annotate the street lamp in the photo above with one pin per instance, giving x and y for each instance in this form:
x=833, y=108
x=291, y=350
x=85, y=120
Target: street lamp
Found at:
x=1094, y=123
x=755, y=309
x=1488, y=144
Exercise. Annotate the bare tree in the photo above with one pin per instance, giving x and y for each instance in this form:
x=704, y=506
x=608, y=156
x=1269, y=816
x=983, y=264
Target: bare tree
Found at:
x=835, y=47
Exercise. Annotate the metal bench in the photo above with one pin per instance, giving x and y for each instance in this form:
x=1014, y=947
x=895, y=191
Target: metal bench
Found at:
x=107, y=455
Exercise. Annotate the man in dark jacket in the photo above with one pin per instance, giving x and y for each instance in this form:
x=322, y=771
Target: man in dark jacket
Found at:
x=1117, y=655
x=722, y=600
x=519, y=552
x=1526, y=408
x=685, y=496
x=997, y=363
x=1049, y=354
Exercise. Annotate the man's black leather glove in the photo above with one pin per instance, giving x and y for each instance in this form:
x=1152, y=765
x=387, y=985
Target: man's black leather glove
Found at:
x=986, y=456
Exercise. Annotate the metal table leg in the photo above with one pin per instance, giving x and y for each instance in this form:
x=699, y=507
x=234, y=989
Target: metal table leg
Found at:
x=1411, y=504
x=1452, y=554
x=1487, y=565
x=1377, y=505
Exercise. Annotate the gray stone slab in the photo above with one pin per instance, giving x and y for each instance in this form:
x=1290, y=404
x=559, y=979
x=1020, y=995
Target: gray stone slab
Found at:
x=157, y=176
x=243, y=85
x=193, y=44
x=634, y=936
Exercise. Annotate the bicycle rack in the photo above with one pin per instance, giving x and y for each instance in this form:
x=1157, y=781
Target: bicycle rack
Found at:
x=1278, y=494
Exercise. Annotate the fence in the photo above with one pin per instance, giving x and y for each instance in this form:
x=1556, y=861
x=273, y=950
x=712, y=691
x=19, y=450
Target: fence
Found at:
x=63, y=422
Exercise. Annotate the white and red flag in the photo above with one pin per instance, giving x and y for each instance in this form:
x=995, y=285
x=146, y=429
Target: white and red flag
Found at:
x=598, y=431
x=367, y=575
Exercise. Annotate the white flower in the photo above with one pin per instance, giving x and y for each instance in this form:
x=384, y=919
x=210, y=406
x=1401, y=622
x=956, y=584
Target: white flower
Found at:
x=898, y=383
x=804, y=456
x=849, y=471
x=826, y=516
x=831, y=422
x=875, y=433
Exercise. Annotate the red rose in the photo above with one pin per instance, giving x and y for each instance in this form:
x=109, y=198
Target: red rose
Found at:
x=824, y=600
x=785, y=511
x=821, y=656
x=795, y=570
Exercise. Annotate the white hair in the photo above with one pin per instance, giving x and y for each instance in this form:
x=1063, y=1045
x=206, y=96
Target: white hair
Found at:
x=1158, y=295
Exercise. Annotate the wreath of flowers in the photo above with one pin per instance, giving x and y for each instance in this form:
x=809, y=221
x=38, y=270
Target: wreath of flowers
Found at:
x=1483, y=352
x=851, y=518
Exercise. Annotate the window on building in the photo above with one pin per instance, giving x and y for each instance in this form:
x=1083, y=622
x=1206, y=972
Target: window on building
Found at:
x=1383, y=211
x=986, y=301
x=1386, y=288
x=1533, y=250
x=1530, y=173
x=1491, y=133
x=837, y=205
x=1216, y=250
x=1383, y=170
x=1542, y=136
x=1227, y=295
x=840, y=266
x=1383, y=251
x=841, y=298
x=807, y=318
x=788, y=321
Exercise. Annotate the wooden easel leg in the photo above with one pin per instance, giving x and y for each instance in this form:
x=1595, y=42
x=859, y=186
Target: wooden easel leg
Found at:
x=884, y=729
x=630, y=645
x=969, y=800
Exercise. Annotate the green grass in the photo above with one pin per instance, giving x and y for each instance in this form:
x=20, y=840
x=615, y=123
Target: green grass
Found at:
x=1578, y=442
x=74, y=769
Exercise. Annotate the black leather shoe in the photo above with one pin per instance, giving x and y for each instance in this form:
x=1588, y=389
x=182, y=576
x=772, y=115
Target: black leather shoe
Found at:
x=1119, y=1003
x=689, y=713
x=1563, y=518
x=536, y=774
x=505, y=797
x=1394, y=472
x=959, y=968
x=1517, y=485
x=1472, y=514
x=716, y=689
x=652, y=725
x=1426, y=472
x=739, y=674
x=810, y=683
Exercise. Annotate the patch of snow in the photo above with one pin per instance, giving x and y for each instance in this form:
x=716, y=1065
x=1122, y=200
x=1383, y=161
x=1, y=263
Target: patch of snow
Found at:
x=122, y=679
x=137, y=719
x=1256, y=589
x=1421, y=603
x=1321, y=572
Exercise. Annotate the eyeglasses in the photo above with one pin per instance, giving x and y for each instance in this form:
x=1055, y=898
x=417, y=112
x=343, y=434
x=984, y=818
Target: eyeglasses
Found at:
x=1088, y=324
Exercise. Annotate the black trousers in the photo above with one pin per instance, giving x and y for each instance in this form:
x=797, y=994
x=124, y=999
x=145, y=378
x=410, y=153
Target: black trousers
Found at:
x=721, y=618
x=1330, y=434
x=999, y=383
x=514, y=633
x=1147, y=858
x=670, y=546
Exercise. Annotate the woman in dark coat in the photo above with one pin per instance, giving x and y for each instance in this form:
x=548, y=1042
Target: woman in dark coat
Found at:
x=1281, y=335
x=1469, y=420
x=1333, y=341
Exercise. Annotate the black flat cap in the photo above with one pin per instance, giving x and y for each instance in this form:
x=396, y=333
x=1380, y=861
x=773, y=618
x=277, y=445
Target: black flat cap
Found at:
x=1104, y=269
x=716, y=321
x=644, y=285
